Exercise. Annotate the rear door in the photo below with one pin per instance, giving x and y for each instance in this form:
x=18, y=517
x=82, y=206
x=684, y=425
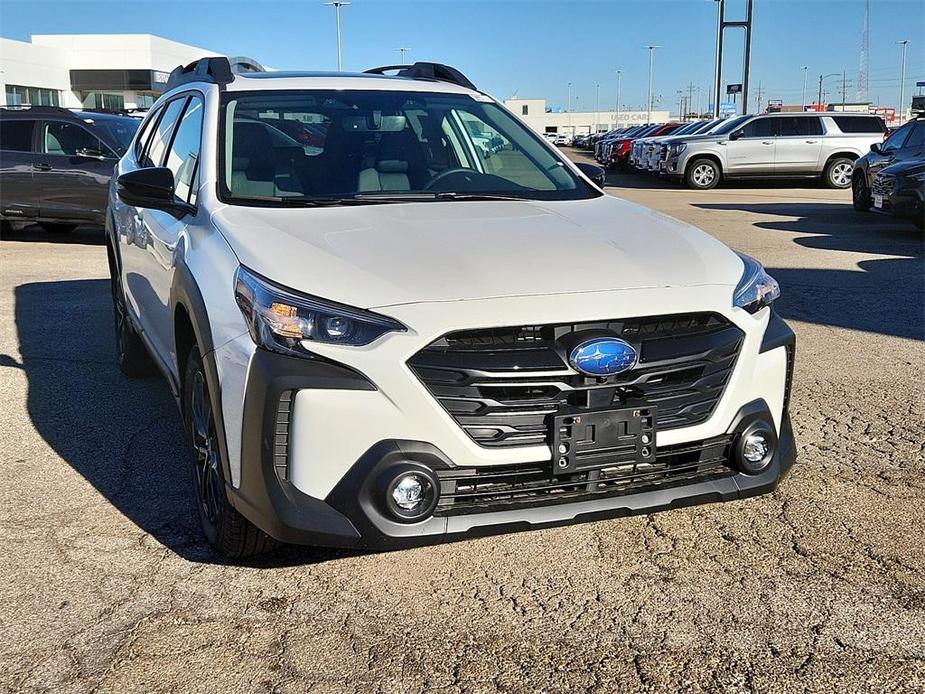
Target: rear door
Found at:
x=18, y=198
x=798, y=146
x=752, y=152
x=72, y=171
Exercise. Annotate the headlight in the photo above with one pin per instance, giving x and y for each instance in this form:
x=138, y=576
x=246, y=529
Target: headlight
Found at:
x=756, y=289
x=281, y=320
x=678, y=147
x=920, y=177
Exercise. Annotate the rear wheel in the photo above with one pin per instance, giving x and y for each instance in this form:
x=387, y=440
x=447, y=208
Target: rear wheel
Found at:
x=838, y=173
x=860, y=194
x=58, y=227
x=225, y=529
x=702, y=174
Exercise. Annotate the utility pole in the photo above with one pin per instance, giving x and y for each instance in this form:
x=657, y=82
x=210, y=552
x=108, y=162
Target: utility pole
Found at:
x=690, y=96
x=902, y=81
x=651, y=50
x=844, y=90
x=805, y=69
x=568, y=105
x=821, y=78
x=617, y=116
x=337, y=4
x=403, y=51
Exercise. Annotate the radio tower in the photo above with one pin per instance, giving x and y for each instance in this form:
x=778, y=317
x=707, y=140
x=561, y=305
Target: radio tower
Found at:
x=865, y=49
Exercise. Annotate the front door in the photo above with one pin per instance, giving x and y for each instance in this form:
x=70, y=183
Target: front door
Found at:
x=72, y=172
x=752, y=151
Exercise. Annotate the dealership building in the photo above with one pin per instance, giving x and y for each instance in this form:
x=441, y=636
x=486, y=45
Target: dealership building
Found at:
x=535, y=114
x=103, y=71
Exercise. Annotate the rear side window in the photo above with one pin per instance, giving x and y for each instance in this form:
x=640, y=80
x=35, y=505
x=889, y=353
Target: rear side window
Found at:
x=800, y=126
x=160, y=138
x=67, y=139
x=16, y=135
x=859, y=124
x=897, y=138
x=183, y=158
x=145, y=134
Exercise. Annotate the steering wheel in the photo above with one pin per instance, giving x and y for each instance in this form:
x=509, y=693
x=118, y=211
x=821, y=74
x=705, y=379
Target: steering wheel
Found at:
x=458, y=171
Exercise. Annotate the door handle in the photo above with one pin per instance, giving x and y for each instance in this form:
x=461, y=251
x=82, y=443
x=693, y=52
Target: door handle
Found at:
x=767, y=142
x=41, y=167
x=811, y=142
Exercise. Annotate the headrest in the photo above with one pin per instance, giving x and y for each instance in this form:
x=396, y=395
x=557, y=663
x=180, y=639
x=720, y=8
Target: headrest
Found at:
x=392, y=166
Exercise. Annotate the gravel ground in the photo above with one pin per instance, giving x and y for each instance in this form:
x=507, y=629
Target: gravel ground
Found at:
x=105, y=584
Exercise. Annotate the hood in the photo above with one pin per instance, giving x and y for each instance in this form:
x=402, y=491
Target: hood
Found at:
x=904, y=168
x=379, y=255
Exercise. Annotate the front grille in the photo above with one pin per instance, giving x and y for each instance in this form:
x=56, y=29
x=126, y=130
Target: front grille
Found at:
x=883, y=185
x=479, y=490
x=502, y=384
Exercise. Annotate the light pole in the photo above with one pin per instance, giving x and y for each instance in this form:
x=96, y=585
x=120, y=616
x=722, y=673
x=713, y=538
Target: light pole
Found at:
x=337, y=4
x=597, y=112
x=805, y=69
x=568, y=105
x=902, y=81
x=822, y=77
x=651, y=50
x=402, y=51
x=616, y=117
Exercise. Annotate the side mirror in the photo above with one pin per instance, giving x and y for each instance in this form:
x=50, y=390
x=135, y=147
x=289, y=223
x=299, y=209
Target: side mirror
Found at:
x=91, y=153
x=151, y=188
x=592, y=171
x=735, y=134
x=875, y=148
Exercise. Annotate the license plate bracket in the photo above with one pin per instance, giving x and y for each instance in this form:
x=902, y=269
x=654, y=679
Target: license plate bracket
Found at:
x=588, y=439
x=878, y=201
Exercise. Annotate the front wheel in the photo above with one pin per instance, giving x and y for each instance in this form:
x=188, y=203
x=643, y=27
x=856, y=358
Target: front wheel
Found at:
x=702, y=174
x=860, y=194
x=230, y=533
x=838, y=173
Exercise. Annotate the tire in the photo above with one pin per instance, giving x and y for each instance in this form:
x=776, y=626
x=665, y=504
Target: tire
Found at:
x=860, y=194
x=702, y=174
x=58, y=227
x=838, y=173
x=131, y=353
x=226, y=530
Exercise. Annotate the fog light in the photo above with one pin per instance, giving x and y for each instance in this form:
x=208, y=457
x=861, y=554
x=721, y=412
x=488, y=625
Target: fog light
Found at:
x=755, y=448
x=408, y=492
x=411, y=493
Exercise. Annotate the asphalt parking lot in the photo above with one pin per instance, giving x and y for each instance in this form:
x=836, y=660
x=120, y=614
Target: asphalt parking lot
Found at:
x=106, y=585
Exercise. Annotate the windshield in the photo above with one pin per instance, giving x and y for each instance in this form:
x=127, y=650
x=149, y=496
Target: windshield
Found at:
x=342, y=147
x=730, y=125
x=117, y=132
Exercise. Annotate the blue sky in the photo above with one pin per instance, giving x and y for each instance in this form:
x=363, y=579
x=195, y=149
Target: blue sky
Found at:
x=532, y=49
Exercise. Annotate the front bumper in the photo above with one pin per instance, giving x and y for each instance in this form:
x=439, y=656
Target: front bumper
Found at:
x=317, y=436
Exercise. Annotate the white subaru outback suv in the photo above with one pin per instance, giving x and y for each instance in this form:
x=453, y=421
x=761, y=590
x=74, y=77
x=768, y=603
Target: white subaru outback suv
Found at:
x=378, y=336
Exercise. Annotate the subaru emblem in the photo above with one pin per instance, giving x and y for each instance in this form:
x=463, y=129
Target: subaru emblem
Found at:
x=603, y=356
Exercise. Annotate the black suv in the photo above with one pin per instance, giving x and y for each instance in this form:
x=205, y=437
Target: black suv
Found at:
x=905, y=144
x=55, y=164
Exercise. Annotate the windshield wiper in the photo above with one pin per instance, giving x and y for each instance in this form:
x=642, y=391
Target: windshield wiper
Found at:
x=475, y=196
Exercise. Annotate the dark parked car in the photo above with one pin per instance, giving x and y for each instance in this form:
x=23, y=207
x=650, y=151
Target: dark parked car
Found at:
x=55, y=164
x=905, y=144
x=899, y=190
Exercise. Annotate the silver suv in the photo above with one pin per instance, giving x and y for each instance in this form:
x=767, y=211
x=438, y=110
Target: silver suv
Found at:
x=787, y=145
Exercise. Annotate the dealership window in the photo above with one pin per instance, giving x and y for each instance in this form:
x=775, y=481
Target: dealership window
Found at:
x=145, y=100
x=30, y=96
x=525, y=110
x=104, y=100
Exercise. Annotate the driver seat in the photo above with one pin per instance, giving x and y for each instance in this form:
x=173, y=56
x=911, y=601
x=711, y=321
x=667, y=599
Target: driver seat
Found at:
x=392, y=169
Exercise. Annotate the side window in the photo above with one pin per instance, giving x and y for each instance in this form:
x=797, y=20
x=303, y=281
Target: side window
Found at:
x=800, y=126
x=760, y=127
x=67, y=139
x=896, y=140
x=859, y=124
x=917, y=138
x=16, y=135
x=160, y=138
x=144, y=134
x=183, y=157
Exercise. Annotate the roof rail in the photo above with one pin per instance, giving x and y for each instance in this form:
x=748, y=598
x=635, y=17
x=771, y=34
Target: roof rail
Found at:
x=216, y=70
x=35, y=109
x=426, y=71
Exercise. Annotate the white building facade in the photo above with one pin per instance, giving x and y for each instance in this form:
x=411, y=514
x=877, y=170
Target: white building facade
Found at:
x=107, y=71
x=533, y=113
